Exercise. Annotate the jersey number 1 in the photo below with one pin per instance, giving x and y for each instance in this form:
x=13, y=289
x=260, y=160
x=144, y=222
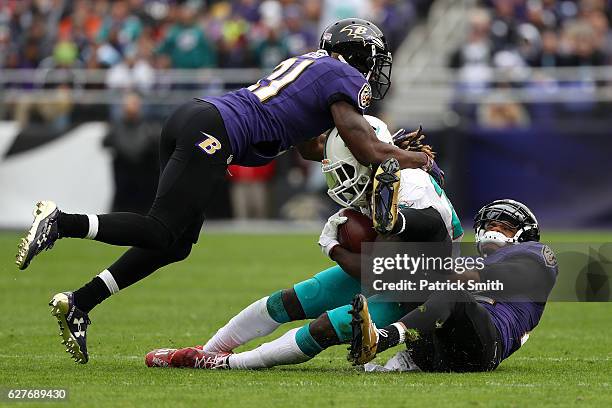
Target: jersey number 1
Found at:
x=285, y=73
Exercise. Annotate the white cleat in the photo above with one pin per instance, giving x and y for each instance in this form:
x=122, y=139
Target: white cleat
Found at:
x=42, y=234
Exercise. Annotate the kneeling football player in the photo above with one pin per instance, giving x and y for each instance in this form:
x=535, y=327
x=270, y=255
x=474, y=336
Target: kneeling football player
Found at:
x=425, y=215
x=462, y=331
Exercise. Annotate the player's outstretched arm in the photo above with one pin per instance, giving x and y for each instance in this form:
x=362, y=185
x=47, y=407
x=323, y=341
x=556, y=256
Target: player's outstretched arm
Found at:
x=362, y=142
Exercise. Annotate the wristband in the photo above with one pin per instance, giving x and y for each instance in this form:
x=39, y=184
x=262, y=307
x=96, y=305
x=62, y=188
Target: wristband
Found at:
x=427, y=167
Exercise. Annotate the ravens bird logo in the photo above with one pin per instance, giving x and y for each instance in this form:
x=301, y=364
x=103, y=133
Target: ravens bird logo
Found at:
x=355, y=30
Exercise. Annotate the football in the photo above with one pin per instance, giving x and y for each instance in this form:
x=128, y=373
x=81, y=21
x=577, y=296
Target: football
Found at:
x=357, y=229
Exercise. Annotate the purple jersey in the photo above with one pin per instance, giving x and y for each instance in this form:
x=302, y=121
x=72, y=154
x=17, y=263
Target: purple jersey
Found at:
x=516, y=316
x=289, y=106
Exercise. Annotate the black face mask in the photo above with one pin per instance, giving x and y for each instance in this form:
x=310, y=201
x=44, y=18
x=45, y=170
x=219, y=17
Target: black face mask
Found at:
x=380, y=75
x=375, y=66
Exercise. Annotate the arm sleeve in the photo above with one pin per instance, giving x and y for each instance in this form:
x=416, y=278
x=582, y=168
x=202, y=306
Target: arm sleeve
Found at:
x=522, y=277
x=342, y=82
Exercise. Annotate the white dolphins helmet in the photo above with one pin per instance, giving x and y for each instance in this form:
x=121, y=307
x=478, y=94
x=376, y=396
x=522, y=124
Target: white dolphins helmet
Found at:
x=347, y=179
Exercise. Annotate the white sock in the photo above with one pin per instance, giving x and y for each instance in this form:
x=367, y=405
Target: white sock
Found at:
x=283, y=350
x=93, y=226
x=402, y=332
x=252, y=322
x=109, y=280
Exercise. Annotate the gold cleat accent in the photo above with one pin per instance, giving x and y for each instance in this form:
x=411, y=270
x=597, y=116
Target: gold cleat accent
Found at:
x=385, y=190
x=365, y=336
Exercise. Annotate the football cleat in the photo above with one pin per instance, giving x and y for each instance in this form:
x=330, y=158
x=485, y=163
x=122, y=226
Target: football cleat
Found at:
x=385, y=195
x=159, y=357
x=73, y=325
x=365, y=335
x=41, y=235
x=192, y=357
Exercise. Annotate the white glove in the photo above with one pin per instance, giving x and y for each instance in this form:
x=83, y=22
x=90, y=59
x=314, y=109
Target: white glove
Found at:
x=401, y=362
x=329, y=235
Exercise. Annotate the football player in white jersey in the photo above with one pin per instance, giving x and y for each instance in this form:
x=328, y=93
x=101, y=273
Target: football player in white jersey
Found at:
x=421, y=213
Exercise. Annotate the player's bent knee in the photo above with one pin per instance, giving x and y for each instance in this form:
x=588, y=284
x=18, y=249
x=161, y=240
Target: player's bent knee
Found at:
x=161, y=236
x=326, y=290
x=179, y=252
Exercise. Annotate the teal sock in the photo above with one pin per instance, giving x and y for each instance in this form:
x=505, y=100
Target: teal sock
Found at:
x=306, y=342
x=276, y=308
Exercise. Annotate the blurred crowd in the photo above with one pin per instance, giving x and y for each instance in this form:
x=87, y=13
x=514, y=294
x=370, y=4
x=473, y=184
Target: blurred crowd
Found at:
x=178, y=34
x=513, y=36
x=130, y=45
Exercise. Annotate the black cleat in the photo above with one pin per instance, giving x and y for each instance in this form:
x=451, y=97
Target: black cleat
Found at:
x=41, y=235
x=385, y=194
x=364, y=341
x=73, y=325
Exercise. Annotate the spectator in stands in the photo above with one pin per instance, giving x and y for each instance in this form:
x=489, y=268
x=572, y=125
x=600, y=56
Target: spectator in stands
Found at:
x=477, y=50
x=249, y=190
x=500, y=111
x=397, y=18
x=133, y=144
x=110, y=52
x=300, y=38
x=503, y=25
x=603, y=37
x=124, y=24
x=582, y=45
x=233, y=44
x=84, y=23
x=133, y=73
x=248, y=10
x=271, y=50
x=549, y=52
x=52, y=111
x=474, y=58
x=186, y=44
x=5, y=45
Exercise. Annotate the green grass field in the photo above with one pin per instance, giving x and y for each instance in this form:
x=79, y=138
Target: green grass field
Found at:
x=567, y=360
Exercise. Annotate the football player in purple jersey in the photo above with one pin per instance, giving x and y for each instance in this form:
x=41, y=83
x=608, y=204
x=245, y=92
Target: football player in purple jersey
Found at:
x=292, y=107
x=464, y=330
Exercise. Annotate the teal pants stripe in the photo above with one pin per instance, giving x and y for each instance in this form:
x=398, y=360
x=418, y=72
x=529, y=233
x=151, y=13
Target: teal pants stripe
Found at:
x=276, y=308
x=306, y=342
